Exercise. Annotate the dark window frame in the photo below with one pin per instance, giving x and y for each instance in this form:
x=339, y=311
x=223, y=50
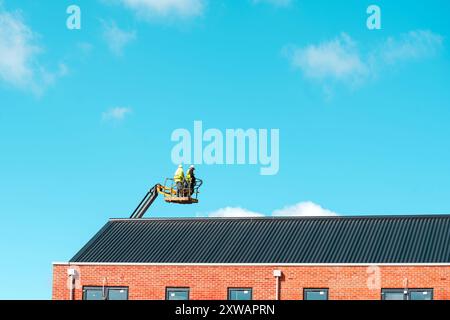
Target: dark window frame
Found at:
x=407, y=295
x=105, y=289
x=188, y=289
x=392, y=290
x=229, y=289
x=327, y=291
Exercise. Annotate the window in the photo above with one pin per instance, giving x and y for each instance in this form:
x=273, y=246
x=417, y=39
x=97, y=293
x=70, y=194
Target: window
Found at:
x=393, y=294
x=315, y=294
x=105, y=293
x=177, y=293
x=240, y=294
x=420, y=294
x=93, y=294
x=117, y=294
x=407, y=294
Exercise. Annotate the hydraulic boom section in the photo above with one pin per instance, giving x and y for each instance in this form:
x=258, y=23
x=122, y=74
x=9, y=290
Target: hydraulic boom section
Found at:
x=149, y=198
x=172, y=194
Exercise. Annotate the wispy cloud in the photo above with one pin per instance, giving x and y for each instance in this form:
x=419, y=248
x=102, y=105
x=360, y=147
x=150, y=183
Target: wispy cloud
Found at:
x=154, y=9
x=413, y=45
x=117, y=38
x=19, y=51
x=337, y=59
x=278, y=3
x=306, y=209
x=234, y=212
x=342, y=61
x=116, y=114
x=302, y=209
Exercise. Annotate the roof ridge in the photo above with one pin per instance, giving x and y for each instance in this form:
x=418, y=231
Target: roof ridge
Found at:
x=381, y=217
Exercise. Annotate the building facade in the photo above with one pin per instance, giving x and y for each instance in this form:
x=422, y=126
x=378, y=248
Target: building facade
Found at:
x=335, y=258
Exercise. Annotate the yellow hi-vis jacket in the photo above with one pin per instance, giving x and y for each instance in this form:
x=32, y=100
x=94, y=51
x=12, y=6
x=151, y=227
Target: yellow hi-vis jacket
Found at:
x=179, y=175
x=189, y=176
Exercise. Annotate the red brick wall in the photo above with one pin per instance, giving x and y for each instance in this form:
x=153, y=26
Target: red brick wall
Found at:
x=212, y=282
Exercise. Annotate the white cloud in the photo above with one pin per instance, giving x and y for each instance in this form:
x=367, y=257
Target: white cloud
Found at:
x=417, y=44
x=278, y=3
x=234, y=212
x=337, y=59
x=341, y=60
x=17, y=50
x=19, y=65
x=150, y=9
x=303, y=209
x=115, y=114
x=117, y=38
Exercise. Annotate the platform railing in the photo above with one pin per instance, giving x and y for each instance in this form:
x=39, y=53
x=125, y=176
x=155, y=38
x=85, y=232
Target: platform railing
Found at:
x=184, y=191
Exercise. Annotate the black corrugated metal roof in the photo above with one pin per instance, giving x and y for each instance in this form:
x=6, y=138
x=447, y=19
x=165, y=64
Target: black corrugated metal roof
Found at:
x=374, y=239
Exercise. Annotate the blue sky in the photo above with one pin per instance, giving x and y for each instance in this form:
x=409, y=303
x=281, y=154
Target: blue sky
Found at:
x=86, y=115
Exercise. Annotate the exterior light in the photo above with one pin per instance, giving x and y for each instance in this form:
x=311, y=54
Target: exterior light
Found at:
x=71, y=272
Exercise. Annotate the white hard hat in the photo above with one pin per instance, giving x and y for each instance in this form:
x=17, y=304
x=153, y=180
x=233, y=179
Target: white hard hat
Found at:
x=192, y=167
x=180, y=166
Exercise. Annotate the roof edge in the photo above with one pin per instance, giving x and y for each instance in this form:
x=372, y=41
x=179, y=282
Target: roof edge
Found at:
x=408, y=216
x=387, y=264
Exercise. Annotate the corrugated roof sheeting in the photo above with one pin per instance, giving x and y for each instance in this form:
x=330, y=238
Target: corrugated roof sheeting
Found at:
x=382, y=239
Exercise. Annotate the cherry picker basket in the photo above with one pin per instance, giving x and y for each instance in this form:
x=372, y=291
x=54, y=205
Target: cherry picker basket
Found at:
x=181, y=193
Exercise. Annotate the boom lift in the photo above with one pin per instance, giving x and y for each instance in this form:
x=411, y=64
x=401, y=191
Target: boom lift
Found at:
x=171, y=195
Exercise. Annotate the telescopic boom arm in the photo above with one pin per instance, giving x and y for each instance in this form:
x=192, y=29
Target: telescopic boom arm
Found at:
x=149, y=198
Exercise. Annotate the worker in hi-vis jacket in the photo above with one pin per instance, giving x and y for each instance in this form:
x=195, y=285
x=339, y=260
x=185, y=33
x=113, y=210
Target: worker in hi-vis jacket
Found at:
x=179, y=179
x=190, y=180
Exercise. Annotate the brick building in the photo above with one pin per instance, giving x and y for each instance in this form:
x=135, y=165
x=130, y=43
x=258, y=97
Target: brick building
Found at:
x=376, y=257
